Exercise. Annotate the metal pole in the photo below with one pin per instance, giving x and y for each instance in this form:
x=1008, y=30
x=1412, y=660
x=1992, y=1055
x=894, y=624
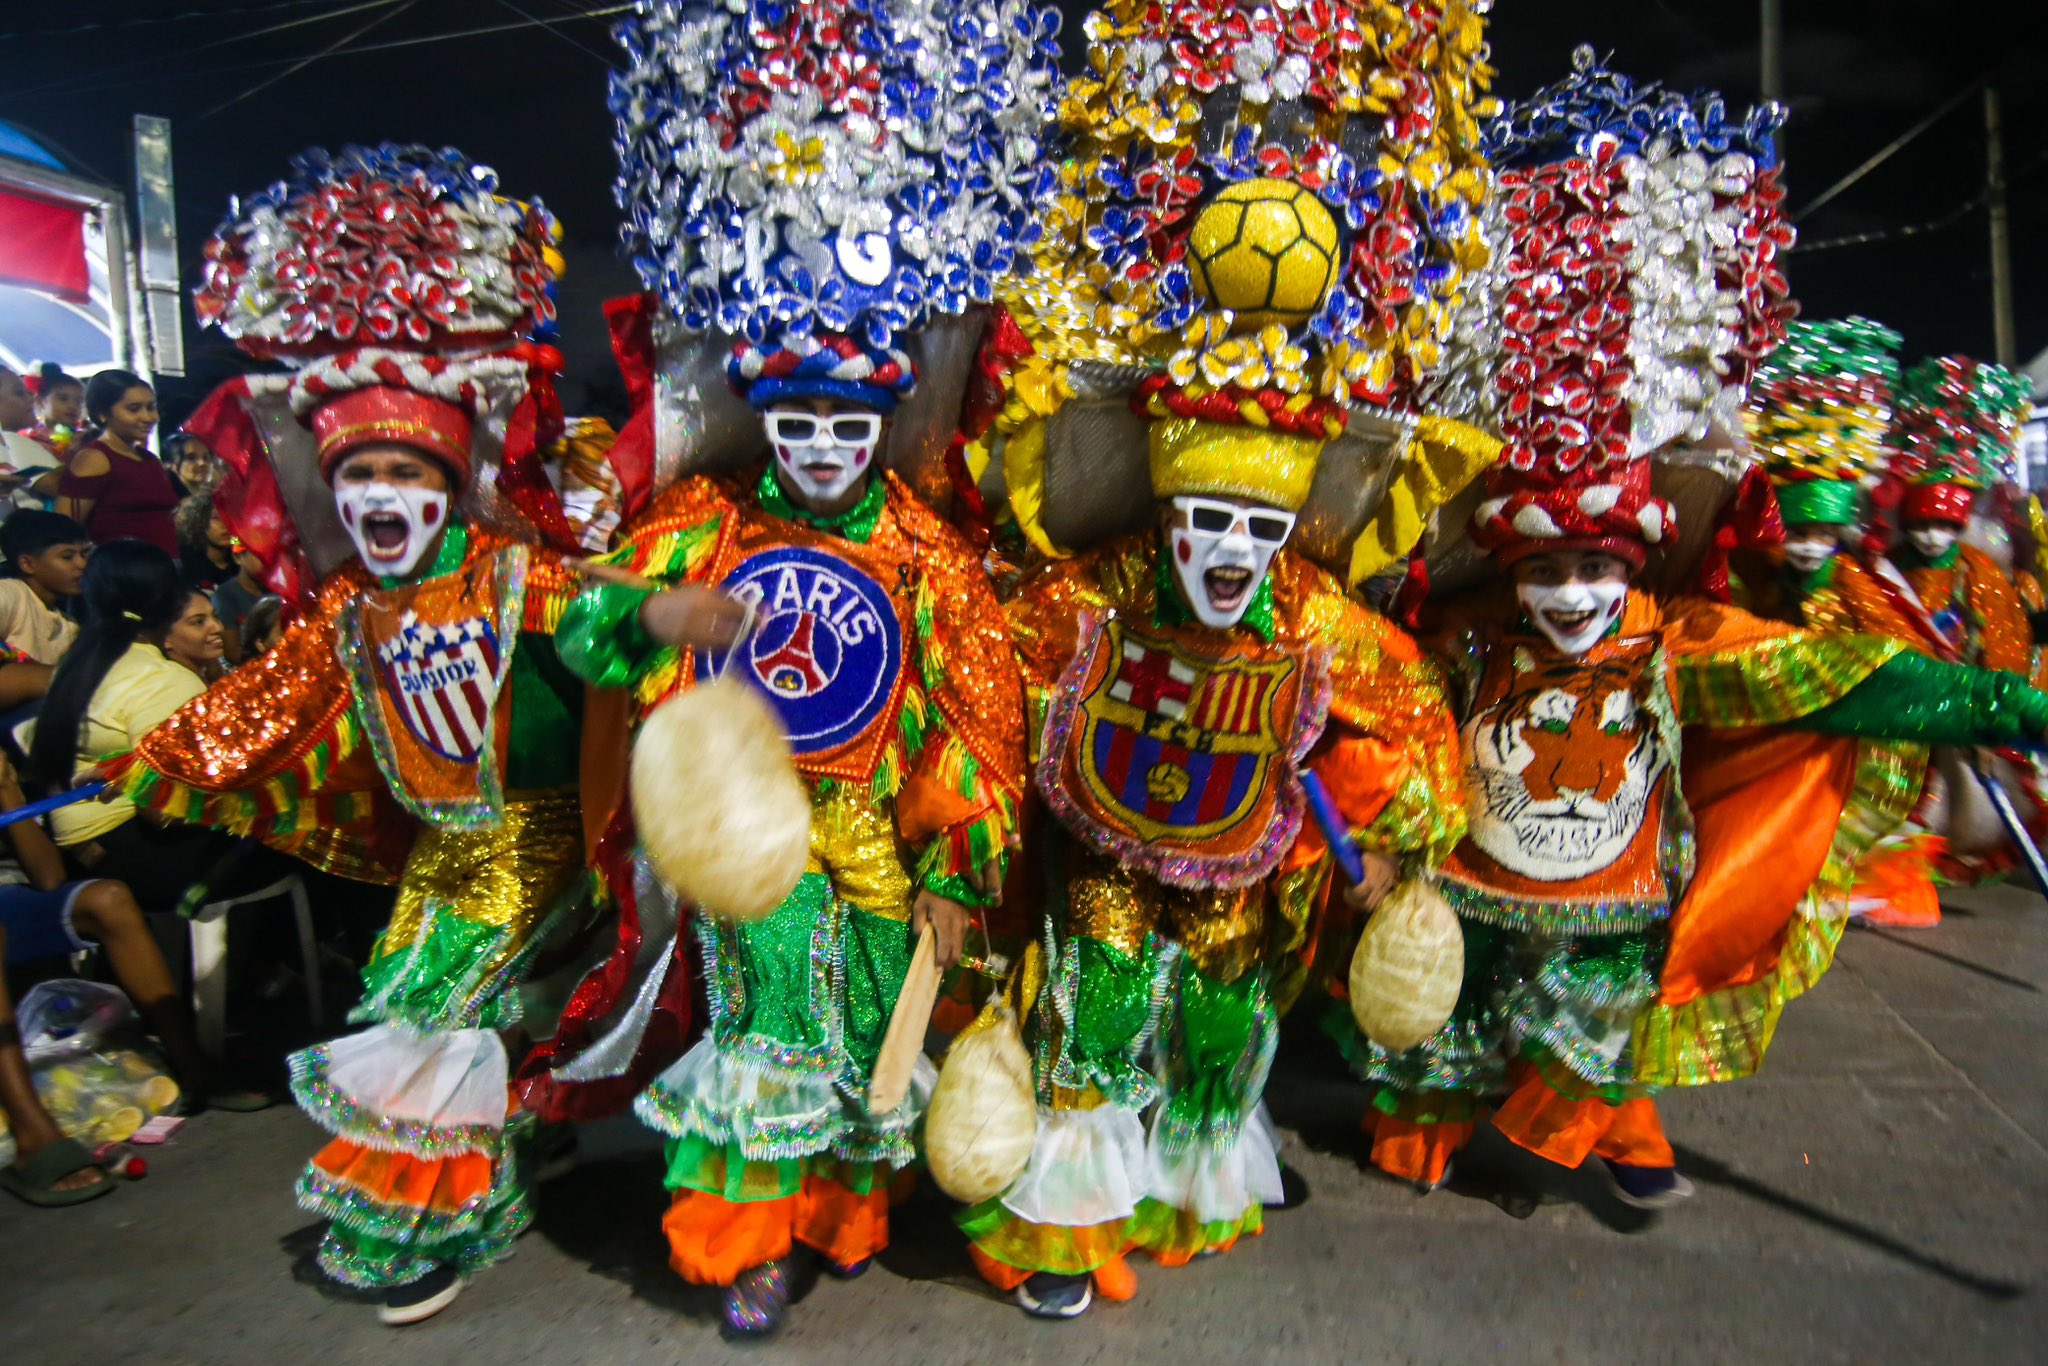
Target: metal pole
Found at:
x=1771, y=62
x=2006, y=345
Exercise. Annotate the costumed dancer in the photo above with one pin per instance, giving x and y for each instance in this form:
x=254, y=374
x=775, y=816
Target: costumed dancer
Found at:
x=854, y=178
x=1819, y=414
x=414, y=725
x=1226, y=329
x=1955, y=428
x=1624, y=931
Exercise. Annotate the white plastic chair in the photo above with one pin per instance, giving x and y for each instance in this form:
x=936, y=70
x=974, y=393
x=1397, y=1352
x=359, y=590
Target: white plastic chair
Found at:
x=210, y=957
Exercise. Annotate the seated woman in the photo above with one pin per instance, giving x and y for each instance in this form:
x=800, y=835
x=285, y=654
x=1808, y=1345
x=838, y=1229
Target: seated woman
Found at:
x=52, y=918
x=148, y=646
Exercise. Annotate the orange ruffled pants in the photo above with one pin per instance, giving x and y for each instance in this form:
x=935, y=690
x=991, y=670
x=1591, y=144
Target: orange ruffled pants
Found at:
x=711, y=1240
x=1535, y=1117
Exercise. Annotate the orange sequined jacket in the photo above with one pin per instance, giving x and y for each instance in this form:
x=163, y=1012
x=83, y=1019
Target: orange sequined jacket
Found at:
x=1979, y=609
x=278, y=749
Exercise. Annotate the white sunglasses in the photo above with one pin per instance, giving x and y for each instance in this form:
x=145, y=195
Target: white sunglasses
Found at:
x=808, y=429
x=1266, y=526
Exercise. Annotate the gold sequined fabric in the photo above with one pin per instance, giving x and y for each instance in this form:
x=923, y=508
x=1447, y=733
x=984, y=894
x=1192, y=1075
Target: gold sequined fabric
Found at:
x=853, y=841
x=507, y=878
x=1221, y=930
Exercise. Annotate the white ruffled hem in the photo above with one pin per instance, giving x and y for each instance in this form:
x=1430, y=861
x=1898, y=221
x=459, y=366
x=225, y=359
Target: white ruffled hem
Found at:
x=449, y=1079
x=776, y=1112
x=1087, y=1167
x=1218, y=1183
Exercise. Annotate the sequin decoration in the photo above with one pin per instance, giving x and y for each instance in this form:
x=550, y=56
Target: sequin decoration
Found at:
x=390, y=245
x=1958, y=421
x=1822, y=404
x=836, y=167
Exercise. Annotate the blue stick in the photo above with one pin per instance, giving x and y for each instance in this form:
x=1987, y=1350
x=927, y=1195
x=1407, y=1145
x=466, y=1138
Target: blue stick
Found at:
x=1332, y=825
x=84, y=792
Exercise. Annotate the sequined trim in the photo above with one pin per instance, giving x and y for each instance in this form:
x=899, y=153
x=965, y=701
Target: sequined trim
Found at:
x=1488, y=907
x=340, y=1114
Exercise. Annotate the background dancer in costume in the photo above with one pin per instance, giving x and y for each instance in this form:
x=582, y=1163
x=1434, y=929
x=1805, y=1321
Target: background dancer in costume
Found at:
x=1955, y=428
x=1819, y=414
x=1178, y=674
x=1624, y=933
x=877, y=637
x=414, y=724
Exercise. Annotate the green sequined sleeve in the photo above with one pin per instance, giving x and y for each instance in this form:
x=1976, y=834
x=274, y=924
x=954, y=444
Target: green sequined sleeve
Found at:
x=601, y=639
x=1912, y=697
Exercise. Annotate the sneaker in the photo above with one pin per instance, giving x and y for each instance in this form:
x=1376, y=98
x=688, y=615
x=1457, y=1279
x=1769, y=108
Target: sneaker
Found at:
x=1646, y=1187
x=852, y=1271
x=757, y=1303
x=1048, y=1296
x=420, y=1299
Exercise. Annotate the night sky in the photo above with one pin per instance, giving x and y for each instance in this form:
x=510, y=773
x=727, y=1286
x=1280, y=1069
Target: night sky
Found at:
x=530, y=101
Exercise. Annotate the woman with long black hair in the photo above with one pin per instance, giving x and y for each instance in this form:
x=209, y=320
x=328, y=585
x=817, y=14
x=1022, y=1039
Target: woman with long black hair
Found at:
x=116, y=684
x=112, y=485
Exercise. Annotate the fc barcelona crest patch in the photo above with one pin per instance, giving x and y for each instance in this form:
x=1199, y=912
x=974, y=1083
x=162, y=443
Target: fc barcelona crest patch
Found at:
x=827, y=649
x=444, y=682
x=1181, y=760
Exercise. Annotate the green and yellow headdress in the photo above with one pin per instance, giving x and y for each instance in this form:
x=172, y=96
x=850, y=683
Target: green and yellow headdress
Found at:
x=1819, y=411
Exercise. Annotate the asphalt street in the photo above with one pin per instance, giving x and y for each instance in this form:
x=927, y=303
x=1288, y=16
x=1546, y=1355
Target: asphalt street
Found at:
x=1878, y=1194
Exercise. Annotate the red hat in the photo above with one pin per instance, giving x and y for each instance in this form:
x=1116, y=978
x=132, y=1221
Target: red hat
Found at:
x=397, y=416
x=1937, y=503
x=1616, y=513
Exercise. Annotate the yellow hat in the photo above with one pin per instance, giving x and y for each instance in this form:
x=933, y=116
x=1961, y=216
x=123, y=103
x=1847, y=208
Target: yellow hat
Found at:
x=1192, y=455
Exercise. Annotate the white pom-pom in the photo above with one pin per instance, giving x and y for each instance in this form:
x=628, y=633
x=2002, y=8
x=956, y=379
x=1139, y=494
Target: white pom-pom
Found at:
x=1650, y=517
x=1409, y=967
x=1488, y=511
x=983, y=1116
x=1599, y=500
x=1534, y=523
x=721, y=811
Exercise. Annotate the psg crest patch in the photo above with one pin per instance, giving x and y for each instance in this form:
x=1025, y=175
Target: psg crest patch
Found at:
x=826, y=648
x=443, y=682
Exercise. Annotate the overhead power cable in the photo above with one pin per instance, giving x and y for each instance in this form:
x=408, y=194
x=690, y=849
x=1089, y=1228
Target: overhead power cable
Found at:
x=1921, y=229
x=337, y=45
x=145, y=20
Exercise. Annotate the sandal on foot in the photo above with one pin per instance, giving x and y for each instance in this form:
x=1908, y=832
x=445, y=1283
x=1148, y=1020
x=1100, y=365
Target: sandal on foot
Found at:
x=35, y=1181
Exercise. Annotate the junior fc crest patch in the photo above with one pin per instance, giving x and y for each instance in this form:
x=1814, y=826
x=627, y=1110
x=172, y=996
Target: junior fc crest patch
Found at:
x=443, y=682
x=827, y=649
x=1179, y=760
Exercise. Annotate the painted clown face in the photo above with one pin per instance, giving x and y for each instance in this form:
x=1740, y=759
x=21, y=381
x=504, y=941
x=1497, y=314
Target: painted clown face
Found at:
x=1933, y=539
x=1221, y=549
x=1573, y=596
x=1808, y=546
x=824, y=452
x=394, y=503
x=1562, y=769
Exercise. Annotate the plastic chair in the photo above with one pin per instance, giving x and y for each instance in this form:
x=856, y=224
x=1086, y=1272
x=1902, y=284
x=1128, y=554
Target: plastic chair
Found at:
x=210, y=957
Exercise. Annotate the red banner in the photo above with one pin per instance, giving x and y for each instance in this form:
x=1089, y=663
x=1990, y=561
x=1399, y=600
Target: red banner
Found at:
x=42, y=246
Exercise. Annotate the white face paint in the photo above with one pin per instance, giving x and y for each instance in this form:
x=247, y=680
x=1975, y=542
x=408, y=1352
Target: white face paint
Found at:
x=1932, y=539
x=393, y=526
x=1809, y=553
x=1221, y=553
x=1573, y=615
x=820, y=458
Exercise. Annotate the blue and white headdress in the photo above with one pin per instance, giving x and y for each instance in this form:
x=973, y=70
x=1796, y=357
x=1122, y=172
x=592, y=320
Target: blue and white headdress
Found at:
x=800, y=177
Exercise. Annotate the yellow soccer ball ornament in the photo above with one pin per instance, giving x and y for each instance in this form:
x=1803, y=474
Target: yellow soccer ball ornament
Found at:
x=1266, y=250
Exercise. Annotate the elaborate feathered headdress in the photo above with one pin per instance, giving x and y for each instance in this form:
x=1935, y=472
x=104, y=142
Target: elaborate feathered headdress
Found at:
x=399, y=286
x=1955, y=431
x=818, y=184
x=1819, y=412
x=1266, y=217
x=1642, y=289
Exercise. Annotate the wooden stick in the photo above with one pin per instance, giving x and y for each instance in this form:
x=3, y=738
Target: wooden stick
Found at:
x=903, y=1044
x=611, y=573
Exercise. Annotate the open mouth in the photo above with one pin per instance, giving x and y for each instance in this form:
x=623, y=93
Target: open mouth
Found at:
x=822, y=470
x=386, y=534
x=1227, y=586
x=1569, y=623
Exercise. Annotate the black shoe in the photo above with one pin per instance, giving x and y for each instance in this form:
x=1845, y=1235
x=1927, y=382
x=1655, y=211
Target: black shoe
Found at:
x=421, y=1299
x=852, y=1271
x=1646, y=1187
x=758, y=1302
x=1048, y=1296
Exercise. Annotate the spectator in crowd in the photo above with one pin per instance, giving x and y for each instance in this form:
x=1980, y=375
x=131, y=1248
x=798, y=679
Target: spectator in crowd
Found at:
x=196, y=639
x=45, y=557
x=137, y=659
x=261, y=628
x=21, y=456
x=194, y=466
x=112, y=486
x=205, y=552
x=52, y=918
x=235, y=599
x=59, y=410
